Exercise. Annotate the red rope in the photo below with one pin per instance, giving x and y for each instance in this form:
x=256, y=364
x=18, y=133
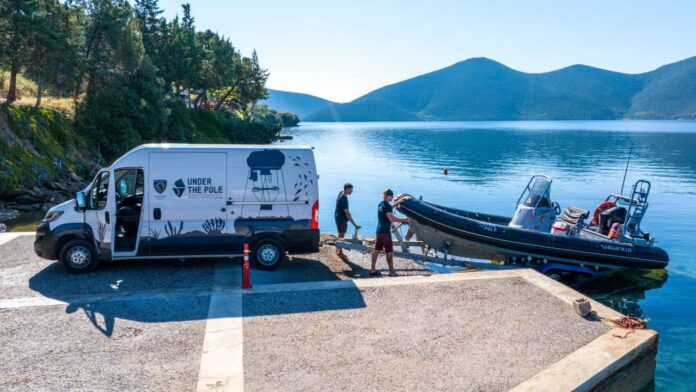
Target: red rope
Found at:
x=630, y=323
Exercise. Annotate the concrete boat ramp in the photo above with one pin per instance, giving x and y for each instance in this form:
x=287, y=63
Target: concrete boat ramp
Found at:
x=316, y=324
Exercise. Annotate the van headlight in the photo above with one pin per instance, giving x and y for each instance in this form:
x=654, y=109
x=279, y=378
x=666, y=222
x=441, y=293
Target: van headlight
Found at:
x=52, y=216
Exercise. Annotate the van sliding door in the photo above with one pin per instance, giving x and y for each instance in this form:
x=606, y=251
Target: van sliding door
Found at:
x=187, y=209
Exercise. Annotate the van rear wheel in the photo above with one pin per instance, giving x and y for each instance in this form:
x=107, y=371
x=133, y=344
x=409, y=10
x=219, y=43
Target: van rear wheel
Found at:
x=267, y=254
x=79, y=256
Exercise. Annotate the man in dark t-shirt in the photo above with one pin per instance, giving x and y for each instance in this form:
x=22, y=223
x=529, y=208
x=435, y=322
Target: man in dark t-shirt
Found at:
x=343, y=216
x=385, y=217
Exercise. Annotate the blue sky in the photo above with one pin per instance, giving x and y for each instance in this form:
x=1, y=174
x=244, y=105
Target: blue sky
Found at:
x=340, y=50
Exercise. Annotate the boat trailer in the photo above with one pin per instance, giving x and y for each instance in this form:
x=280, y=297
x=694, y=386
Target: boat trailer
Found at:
x=432, y=260
x=440, y=261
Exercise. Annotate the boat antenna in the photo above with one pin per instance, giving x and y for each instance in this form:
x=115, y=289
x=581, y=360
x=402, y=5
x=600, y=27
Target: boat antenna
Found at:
x=626, y=171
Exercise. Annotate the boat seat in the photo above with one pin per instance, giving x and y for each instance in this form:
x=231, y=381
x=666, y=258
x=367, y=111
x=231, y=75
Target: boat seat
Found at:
x=574, y=215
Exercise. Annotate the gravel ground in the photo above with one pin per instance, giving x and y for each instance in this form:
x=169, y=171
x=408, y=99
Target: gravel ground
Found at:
x=100, y=347
x=486, y=335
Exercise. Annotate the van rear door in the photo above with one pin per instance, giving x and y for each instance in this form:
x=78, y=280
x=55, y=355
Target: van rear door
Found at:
x=187, y=210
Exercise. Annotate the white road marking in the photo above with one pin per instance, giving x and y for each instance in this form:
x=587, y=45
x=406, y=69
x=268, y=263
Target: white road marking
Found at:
x=29, y=302
x=82, y=299
x=222, y=359
x=225, y=286
x=7, y=237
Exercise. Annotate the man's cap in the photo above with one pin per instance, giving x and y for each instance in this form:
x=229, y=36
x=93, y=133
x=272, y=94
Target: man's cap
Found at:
x=388, y=192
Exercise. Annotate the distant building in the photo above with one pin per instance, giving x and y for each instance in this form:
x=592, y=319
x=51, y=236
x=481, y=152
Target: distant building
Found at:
x=185, y=96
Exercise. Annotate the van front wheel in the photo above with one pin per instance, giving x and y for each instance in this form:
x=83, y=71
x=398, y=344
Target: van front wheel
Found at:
x=267, y=254
x=79, y=256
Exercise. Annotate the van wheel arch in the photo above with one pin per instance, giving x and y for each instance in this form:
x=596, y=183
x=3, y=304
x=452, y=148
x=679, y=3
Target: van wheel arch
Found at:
x=62, y=240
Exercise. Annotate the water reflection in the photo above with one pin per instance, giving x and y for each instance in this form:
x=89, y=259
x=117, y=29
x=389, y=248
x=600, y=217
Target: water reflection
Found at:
x=482, y=156
x=623, y=291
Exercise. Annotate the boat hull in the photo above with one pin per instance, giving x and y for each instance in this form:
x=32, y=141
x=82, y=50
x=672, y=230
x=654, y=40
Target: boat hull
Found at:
x=466, y=233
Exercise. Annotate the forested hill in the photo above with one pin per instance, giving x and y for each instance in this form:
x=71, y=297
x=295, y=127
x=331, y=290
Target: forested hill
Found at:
x=482, y=89
x=82, y=82
x=301, y=104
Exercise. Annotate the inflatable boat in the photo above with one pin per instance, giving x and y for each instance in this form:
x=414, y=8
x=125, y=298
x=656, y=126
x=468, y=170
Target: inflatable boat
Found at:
x=539, y=232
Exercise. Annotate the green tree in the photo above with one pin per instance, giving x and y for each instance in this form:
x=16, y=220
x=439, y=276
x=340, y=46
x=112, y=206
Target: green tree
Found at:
x=247, y=84
x=125, y=100
x=53, y=49
x=216, y=63
x=151, y=25
x=16, y=31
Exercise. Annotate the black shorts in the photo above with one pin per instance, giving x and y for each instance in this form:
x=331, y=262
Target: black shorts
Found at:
x=384, y=241
x=341, y=226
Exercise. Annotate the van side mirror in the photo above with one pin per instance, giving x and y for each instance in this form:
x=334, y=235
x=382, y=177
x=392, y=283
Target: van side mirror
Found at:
x=80, y=201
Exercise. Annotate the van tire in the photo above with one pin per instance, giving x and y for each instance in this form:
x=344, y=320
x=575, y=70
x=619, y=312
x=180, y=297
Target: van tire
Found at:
x=267, y=254
x=79, y=256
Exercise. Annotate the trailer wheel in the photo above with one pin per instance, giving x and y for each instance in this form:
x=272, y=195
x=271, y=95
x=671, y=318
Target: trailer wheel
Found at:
x=78, y=256
x=267, y=254
x=554, y=274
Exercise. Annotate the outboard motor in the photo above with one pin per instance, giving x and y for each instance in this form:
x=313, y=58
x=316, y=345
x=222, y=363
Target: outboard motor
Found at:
x=534, y=208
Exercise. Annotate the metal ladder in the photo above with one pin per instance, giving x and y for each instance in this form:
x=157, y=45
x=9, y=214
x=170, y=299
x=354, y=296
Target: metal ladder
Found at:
x=637, y=207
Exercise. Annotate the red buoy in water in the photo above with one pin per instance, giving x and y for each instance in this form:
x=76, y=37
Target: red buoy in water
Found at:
x=446, y=171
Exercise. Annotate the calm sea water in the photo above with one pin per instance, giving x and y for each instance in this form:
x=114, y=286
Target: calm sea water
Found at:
x=489, y=163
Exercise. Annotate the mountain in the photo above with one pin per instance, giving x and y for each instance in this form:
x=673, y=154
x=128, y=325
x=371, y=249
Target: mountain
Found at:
x=669, y=93
x=300, y=104
x=483, y=89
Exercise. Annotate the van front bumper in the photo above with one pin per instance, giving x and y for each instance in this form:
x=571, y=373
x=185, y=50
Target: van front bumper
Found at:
x=45, y=242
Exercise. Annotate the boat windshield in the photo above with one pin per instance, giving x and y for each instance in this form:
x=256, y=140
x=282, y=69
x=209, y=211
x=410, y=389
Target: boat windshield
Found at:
x=538, y=192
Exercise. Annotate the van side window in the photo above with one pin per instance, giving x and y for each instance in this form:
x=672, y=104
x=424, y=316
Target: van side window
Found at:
x=99, y=192
x=129, y=184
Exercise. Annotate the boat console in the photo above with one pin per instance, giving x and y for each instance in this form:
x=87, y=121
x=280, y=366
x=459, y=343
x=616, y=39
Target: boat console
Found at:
x=536, y=212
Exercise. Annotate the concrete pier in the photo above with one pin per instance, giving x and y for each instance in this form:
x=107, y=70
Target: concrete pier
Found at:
x=315, y=324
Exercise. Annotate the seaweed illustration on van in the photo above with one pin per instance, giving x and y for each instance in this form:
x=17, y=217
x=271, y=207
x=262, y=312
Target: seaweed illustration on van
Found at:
x=101, y=231
x=304, y=179
x=265, y=174
x=154, y=233
x=172, y=230
x=214, y=226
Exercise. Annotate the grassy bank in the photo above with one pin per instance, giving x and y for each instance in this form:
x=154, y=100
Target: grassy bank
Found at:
x=39, y=146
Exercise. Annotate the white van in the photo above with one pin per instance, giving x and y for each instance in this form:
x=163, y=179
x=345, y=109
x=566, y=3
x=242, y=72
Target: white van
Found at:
x=189, y=200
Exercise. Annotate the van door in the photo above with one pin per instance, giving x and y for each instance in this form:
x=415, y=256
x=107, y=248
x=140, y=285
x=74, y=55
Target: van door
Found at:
x=129, y=190
x=187, y=204
x=236, y=181
x=99, y=214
